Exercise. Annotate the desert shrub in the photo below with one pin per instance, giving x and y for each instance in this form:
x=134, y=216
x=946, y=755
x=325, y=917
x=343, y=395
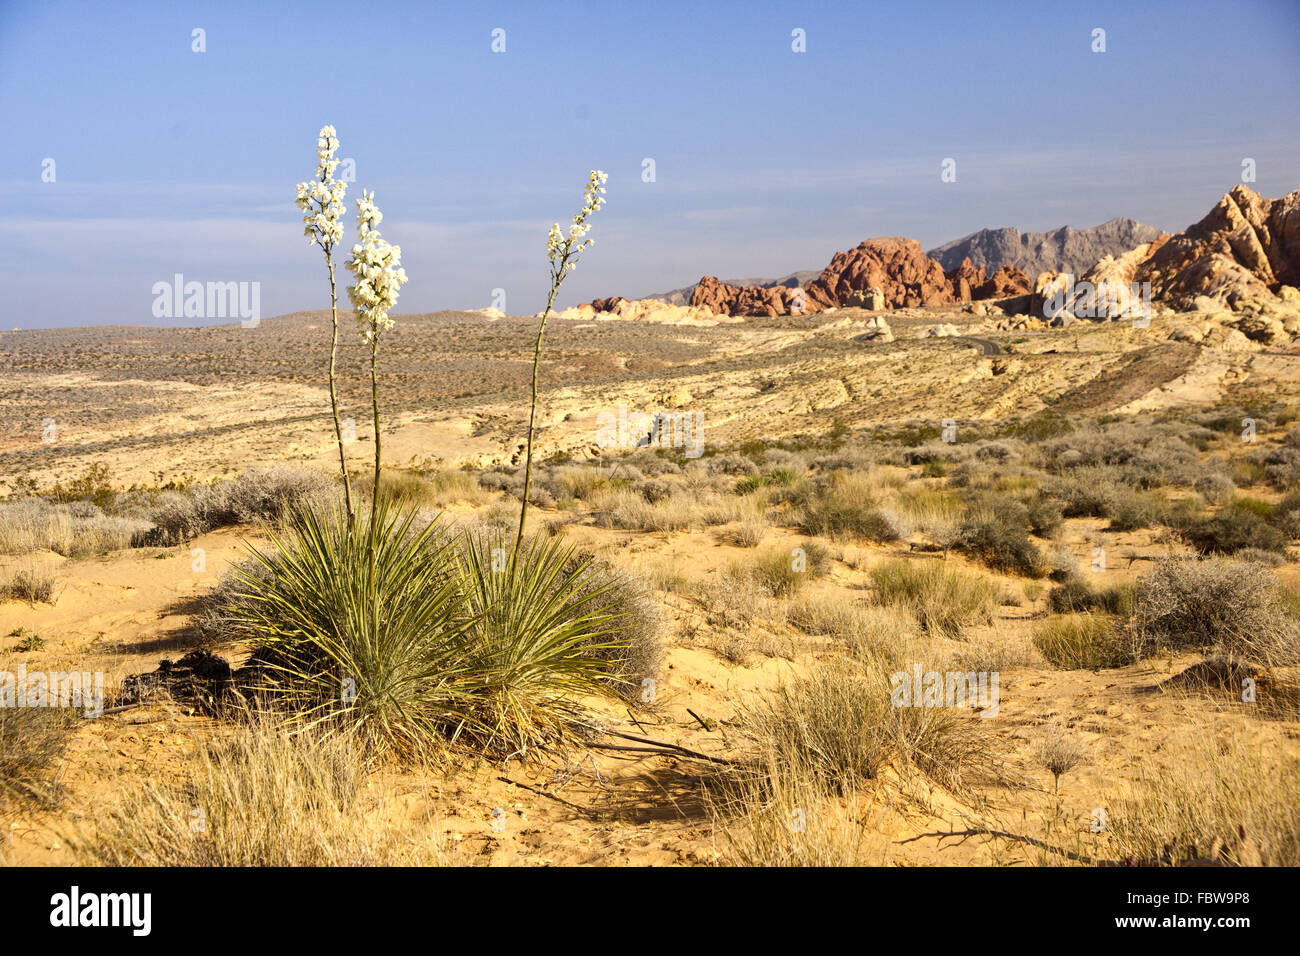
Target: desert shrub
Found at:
x=1130, y=510
x=31, y=741
x=1281, y=465
x=731, y=464
x=580, y=481
x=1286, y=514
x=1236, y=526
x=72, y=530
x=32, y=583
x=748, y=533
x=844, y=504
x=635, y=648
x=944, y=600
x=840, y=725
x=1044, y=515
x=996, y=532
x=782, y=571
x=1232, y=607
x=1216, y=487
x=272, y=494
x=176, y=518
x=1085, y=493
x=626, y=509
x=1247, y=472
x=269, y=798
x=653, y=490
x=1076, y=594
x=1224, y=801
x=1084, y=641
x=1059, y=752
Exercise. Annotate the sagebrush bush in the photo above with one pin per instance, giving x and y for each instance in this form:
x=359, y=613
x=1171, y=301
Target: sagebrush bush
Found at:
x=1000, y=539
x=637, y=622
x=1217, y=605
x=1076, y=594
x=1235, y=527
x=1130, y=510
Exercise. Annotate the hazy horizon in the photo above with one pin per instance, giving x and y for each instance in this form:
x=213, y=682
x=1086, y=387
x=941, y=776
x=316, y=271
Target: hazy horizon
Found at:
x=766, y=161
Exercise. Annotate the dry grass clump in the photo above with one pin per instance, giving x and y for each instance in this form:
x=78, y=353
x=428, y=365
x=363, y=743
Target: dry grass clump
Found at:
x=779, y=815
x=847, y=505
x=261, y=797
x=782, y=571
x=32, y=582
x=31, y=741
x=1227, y=801
x=748, y=533
x=72, y=530
x=839, y=725
x=1084, y=641
x=626, y=509
x=867, y=632
x=1234, y=608
x=439, y=488
x=943, y=599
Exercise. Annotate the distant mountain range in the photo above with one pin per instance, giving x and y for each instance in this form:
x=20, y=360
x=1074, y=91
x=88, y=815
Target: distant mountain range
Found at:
x=1063, y=250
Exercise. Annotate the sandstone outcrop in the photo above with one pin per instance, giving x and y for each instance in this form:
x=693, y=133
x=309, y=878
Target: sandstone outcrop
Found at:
x=1246, y=248
x=896, y=266
x=616, y=308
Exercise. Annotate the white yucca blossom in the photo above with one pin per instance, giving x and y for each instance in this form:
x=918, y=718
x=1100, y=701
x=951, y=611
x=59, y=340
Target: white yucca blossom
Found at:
x=564, y=252
x=377, y=266
x=322, y=199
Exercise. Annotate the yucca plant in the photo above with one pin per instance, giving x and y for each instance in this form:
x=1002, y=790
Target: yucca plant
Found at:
x=360, y=625
x=538, y=625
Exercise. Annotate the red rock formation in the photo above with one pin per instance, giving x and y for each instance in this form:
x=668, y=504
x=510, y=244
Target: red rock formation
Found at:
x=715, y=295
x=1247, y=247
x=1008, y=281
x=895, y=265
x=607, y=305
x=964, y=280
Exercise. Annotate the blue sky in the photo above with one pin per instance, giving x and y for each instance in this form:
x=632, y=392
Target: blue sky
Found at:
x=766, y=160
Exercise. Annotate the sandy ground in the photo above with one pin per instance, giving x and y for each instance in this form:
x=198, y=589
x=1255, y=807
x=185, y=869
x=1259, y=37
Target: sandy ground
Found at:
x=123, y=612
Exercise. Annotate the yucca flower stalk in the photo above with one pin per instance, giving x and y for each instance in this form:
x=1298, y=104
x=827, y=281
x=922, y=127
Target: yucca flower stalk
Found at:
x=321, y=201
x=377, y=266
x=563, y=253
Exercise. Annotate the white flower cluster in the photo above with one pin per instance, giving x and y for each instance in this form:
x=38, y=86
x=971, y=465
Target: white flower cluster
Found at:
x=563, y=252
x=377, y=266
x=322, y=199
